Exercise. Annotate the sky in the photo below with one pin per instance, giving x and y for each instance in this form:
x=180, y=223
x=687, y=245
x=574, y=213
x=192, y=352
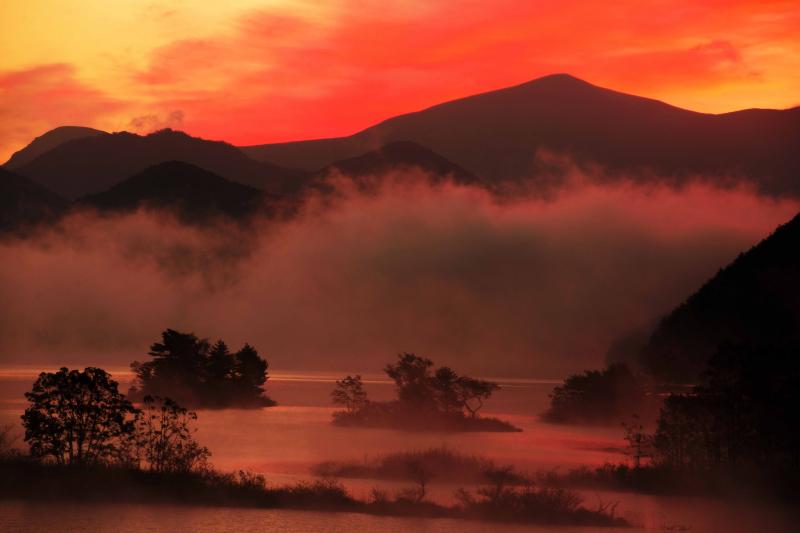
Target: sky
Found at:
x=256, y=71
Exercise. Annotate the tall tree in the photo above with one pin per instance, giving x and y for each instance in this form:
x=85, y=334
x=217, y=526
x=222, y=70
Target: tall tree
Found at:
x=411, y=375
x=77, y=417
x=164, y=438
x=471, y=393
x=350, y=393
x=250, y=370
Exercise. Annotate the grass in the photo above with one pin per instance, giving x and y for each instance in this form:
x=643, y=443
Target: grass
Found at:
x=24, y=478
x=441, y=463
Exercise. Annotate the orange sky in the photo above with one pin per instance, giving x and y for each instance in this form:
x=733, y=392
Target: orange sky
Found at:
x=253, y=71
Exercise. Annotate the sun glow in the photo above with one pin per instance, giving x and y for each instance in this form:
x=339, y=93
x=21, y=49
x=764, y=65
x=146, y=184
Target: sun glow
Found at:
x=255, y=71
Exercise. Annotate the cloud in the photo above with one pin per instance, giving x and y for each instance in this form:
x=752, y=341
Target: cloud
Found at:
x=531, y=286
x=287, y=74
x=252, y=73
x=151, y=123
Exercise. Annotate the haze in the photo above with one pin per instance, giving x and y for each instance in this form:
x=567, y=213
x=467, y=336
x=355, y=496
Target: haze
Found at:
x=537, y=286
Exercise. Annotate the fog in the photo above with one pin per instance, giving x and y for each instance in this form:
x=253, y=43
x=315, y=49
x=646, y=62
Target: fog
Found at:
x=535, y=286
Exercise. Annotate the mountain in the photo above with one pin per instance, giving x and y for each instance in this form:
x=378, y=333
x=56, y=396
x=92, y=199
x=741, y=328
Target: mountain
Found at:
x=393, y=157
x=92, y=164
x=24, y=204
x=497, y=134
x=48, y=141
x=194, y=193
x=755, y=299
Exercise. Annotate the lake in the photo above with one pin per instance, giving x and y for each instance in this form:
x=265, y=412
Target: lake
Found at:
x=284, y=442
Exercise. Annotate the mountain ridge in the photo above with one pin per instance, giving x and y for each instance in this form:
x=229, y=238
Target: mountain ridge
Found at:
x=93, y=164
x=497, y=135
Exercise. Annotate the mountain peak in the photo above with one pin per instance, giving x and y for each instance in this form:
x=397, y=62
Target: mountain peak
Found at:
x=561, y=78
x=47, y=141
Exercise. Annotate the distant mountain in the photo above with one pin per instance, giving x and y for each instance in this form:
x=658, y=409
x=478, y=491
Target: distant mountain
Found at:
x=195, y=194
x=756, y=299
x=24, y=204
x=393, y=157
x=93, y=164
x=48, y=141
x=496, y=135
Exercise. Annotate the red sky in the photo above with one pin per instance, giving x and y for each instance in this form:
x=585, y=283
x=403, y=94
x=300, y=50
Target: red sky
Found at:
x=254, y=71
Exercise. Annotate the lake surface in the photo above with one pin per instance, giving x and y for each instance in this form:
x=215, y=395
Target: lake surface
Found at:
x=284, y=442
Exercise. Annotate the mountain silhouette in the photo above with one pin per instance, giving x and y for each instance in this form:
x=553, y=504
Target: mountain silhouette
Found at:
x=48, y=141
x=497, y=135
x=90, y=165
x=195, y=194
x=398, y=158
x=25, y=204
x=755, y=300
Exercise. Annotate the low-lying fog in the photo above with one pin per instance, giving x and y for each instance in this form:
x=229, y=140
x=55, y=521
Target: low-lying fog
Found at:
x=537, y=286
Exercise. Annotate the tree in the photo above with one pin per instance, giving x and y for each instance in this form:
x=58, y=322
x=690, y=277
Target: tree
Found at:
x=639, y=442
x=194, y=373
x=178, y=367
x=422, y=476
x=411, y=375
x=595, y=395
x=471, y=393
x=220, y=364
x=350, y=393
x=164, y=440
x=680, y=440
x=77, y=417
x=742, y=413
x=250, y=371
x=445, y=384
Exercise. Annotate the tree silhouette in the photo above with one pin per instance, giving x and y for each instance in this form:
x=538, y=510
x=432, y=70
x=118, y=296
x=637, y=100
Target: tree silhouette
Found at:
x=595, y=395
x=77, y=417
x=639, y=442
x=250, y=371
x=164, y=440
x=220, y=365
x=471, y=393
x=742, y=413
x=350, y=393
x=411, y=375
x=425, y=398
x=445, y=384
x=194, y=373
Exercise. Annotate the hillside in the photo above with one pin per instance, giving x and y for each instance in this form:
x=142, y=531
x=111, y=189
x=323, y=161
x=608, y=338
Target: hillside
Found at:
x=755, y=299
x=24, y=204
x=93, y=164
x=48, y=141
x=195, y=194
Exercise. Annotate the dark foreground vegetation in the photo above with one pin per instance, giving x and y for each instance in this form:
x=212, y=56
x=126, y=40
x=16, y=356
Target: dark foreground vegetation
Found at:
x=737, y=429
x=87, y=442
x=442, y=464
x=198, y=374
x=25, y=478
x=427, y=400
x=597, y=396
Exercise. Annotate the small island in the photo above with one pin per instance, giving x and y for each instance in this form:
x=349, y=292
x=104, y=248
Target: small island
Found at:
x=200, y=375
x=427, y=400
x=605, y=396
x=89, y=443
